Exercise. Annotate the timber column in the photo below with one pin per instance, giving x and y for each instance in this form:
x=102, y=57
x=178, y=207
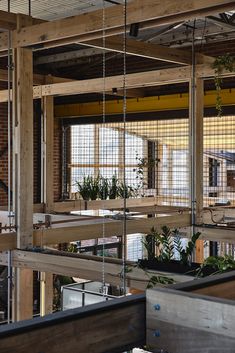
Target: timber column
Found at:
x=47, y=177
x=23, y=176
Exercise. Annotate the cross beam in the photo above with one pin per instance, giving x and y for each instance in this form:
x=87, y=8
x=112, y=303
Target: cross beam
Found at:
x=90, y=25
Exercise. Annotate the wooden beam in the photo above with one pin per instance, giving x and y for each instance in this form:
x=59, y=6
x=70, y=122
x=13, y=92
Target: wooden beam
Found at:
x=67, y=56
x=148, y=50
x=96, y=328
x=88, y=267
x=37, y=78
x=58, y=235
x=213, y=233
x=22, y=304
x=94, y=229
x=9, y=20
x=7, y=241
x=48, y=153
x=141, y=79
x=23, y=176
x=189, y=322
x=91, y=24
x=130, y=93
x=79, y=205
x=23, y=146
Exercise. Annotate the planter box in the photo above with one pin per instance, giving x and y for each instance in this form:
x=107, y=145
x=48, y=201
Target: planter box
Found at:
x=174, y=266
x=196, y=317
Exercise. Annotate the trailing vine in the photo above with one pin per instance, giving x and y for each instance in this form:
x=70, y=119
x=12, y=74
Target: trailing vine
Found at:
x=224, y=62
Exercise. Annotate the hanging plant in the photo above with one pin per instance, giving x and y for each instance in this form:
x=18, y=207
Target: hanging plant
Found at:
x=222, y=63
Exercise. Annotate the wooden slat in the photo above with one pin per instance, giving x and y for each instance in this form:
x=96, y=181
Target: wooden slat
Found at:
x=189, y=322
x=94, y=229
x=48, y=153
x=181, y=339
x=98, y=328
x=88, y=267
x=8, y=20
x=222, y=290
x=137, y=12
x=77, y=205
x=149, y=50
x=142, y=49
x=22, y=302
x=23, y=146
x=7, y=241
x=141, y=79
x=37, y=78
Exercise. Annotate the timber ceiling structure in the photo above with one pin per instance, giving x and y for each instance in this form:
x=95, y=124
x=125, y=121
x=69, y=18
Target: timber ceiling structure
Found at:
x=83, y=61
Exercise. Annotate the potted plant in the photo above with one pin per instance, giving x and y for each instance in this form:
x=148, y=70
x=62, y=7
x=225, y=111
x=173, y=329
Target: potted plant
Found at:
x=162, y=248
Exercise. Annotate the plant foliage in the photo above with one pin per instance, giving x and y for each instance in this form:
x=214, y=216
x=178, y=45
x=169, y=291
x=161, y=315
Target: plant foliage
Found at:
x=163, y=246
x=99, y=187
x=218, y=263
x=221, y=63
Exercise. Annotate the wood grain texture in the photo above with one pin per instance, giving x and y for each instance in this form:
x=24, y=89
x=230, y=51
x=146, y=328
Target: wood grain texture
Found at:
x=106, y=327
x=90, y=24
x=189, y=323
x=180, y=339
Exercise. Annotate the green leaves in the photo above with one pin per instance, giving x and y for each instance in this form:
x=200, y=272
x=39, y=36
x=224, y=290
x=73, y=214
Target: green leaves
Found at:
x=167, y=243
x=219, y=263
x=93, y=188
x=221, y=63
x=159, y=280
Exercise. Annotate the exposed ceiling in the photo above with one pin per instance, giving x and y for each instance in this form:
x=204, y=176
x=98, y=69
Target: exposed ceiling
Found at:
x=53, y=9
x=214, y=35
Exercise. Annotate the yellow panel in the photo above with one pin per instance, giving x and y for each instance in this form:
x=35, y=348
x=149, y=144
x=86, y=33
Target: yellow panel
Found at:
x=138, y=105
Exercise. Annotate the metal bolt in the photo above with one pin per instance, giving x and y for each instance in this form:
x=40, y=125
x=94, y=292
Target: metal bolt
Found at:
x=157, y=307
x=156, y=333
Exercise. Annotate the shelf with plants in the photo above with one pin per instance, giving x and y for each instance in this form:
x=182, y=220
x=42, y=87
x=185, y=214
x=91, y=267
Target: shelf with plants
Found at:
x=101, y=188
x=163, y=247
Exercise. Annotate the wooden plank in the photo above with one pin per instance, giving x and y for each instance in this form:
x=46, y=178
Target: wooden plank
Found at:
x=48, y=153
x=8, y=20
x=149, y=50
x=94, y=229
x=97, y=328
x=7, y=241
x=22, y=303
x=23, y=146
x=23, y=176
x=137, y=12
x=143, y=49
x=79, y=205
x=222, y=290
x=141, y=79
x=219, y=285
x=212, y=315
x=199, y=251
x=88, y=267
x=37, y=78
x=181, y=339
